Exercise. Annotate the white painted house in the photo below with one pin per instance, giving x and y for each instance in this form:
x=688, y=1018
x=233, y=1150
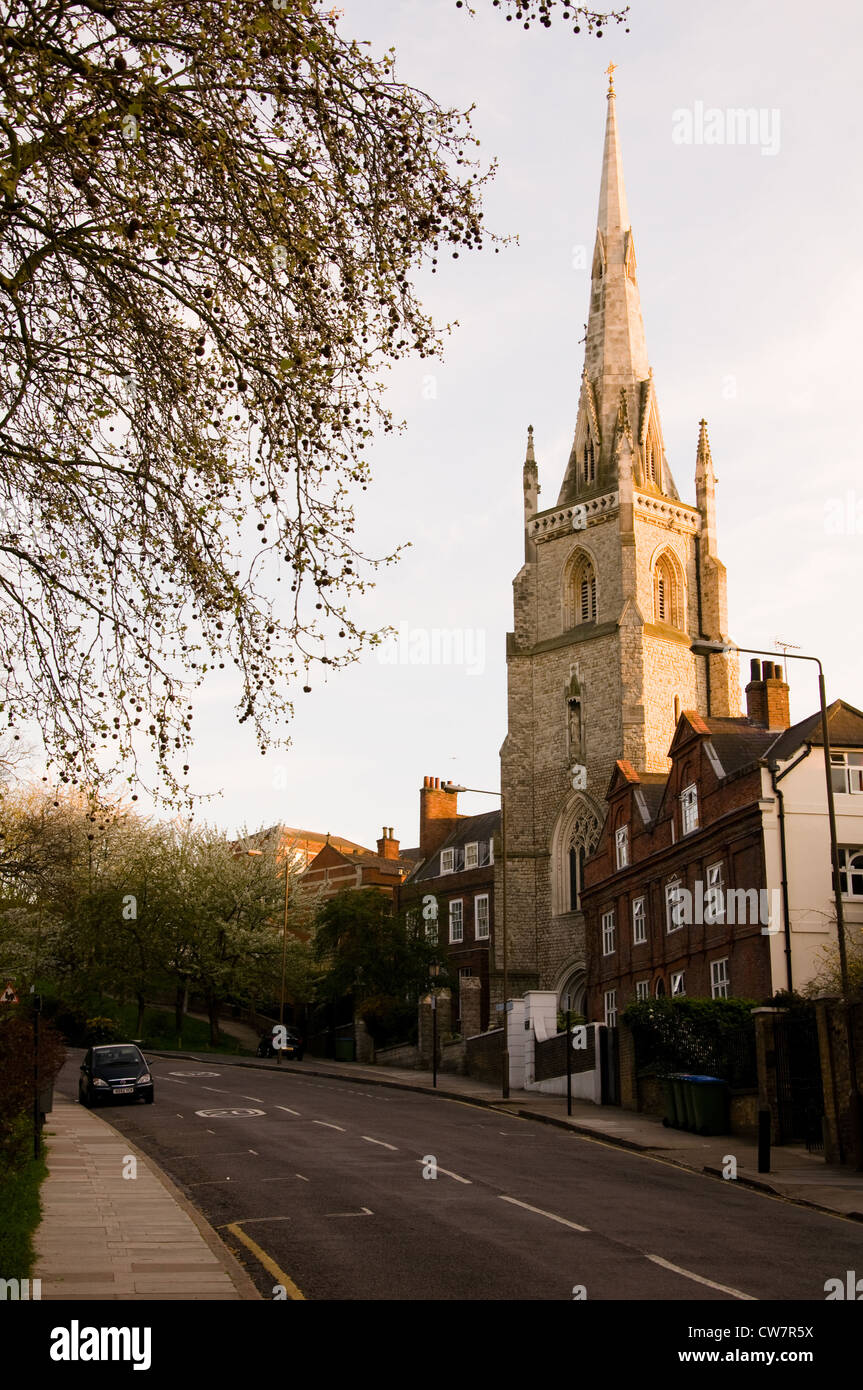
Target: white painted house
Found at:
x=794, y=807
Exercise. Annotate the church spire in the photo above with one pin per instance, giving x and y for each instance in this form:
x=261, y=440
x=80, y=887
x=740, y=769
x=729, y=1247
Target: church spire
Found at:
x=615, y=357
x=613, y=210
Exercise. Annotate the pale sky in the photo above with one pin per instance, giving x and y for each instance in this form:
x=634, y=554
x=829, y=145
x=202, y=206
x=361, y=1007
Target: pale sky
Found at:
x=752, y=293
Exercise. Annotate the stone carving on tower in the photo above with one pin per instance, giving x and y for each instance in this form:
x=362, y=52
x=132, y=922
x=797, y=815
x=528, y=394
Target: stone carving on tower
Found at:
x=619, y=576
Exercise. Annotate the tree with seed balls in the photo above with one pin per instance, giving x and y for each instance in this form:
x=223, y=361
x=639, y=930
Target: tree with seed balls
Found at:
x=210, y=215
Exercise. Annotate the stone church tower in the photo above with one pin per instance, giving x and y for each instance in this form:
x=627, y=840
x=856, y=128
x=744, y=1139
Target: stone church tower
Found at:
x=619, y=576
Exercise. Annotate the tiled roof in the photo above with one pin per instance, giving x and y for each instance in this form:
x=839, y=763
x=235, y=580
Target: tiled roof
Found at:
x=844, y=725
x=303, y=839
x=653, y=792
x=738, y=742
x=467, y=829
x=370, y=860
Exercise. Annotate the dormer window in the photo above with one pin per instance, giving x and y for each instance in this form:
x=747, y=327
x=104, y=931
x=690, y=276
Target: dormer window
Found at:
x=471, y=855
x=447, y=861
x=621, y=846
x=689, y=809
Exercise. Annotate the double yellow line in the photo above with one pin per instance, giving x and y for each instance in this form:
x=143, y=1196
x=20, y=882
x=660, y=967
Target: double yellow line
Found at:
x=287, y=1283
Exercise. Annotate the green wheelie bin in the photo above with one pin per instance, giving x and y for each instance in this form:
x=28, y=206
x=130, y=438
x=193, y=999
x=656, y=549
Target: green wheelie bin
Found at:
x=671, y=1117
x=683, y=1101
x=710, y=1098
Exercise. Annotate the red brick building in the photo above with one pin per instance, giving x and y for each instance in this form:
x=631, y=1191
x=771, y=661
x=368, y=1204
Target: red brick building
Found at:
x=334, y=869
x=451, y=889
x=677, y=894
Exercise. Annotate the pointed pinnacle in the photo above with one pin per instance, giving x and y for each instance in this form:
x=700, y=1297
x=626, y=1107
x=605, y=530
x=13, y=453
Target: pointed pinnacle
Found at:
x=703, y=457
x=530, y=456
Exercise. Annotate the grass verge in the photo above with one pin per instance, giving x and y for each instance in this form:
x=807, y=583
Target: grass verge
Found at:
x=159, y=1032
x=22, y=1212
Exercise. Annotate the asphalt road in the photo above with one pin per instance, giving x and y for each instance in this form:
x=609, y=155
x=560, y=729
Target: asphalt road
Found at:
x=328, y=1187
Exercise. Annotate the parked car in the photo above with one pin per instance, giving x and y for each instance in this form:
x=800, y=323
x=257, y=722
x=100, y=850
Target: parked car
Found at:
x=115, y=1069
x=292, y=1047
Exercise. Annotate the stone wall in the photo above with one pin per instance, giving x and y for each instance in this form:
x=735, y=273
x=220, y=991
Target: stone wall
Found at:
x=484, y=1056
x=402, y=1055
x=833, y=1018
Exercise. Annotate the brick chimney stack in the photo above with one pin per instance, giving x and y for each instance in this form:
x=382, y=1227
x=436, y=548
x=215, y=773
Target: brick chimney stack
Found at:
x=388, y=848
x=438, y=814
x=767, y=703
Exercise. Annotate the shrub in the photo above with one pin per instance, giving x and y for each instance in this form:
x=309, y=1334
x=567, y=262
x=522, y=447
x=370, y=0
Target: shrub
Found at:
x=16, y=1092
x=101, y=1030
x=712, y=1035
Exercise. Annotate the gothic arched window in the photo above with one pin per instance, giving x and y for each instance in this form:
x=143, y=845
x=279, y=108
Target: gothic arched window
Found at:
x=667, y=592
x=574, y=838
x=577, y=856
x=588, y=460
x=650, y=462
x=580, y=597
x=652, y=456
x=583, y=598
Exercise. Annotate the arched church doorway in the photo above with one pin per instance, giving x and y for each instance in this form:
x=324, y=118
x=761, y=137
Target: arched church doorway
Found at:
x=573, y=993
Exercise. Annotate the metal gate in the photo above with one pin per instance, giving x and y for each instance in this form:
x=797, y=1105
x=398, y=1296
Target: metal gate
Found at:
x=799, y=1093
x=609, y=1065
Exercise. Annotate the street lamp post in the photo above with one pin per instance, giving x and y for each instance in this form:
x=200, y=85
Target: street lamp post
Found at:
x=434, y=971
x=479, y=791
x=711, y=648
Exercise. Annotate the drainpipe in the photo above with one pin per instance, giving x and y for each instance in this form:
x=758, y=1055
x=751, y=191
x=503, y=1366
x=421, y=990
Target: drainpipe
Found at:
x=776, y=777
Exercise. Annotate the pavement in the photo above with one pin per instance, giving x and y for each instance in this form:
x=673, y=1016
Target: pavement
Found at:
x=106, y=1236
x=795, y=1174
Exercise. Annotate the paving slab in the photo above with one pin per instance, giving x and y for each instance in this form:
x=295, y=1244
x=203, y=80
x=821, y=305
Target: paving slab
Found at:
x=102, y=1237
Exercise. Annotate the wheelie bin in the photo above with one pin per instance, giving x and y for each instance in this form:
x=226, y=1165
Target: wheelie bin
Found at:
x=685, y=1107
x=710, y=1098
x=671, y=1117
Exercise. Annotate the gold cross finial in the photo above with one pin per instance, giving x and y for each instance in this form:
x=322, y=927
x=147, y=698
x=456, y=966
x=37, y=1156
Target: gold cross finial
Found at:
x=610, y=71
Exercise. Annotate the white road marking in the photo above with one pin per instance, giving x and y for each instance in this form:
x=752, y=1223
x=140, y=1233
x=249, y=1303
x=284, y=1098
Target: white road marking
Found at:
x=254, y=1151
x=288, y=1108
x=229, y=1113
x=174, y=1079
x=699, y=1279
x=257, y=1099
x=211, y=1131
x=326, y=1125
x=365, y=1211
x=448, y=1174
x=370, y=1140
x=561, y=1220
x=302, y=1179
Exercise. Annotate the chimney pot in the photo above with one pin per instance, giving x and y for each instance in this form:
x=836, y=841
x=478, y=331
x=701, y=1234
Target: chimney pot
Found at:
x=755, y=669
x=767, y=703
x=438, y=815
